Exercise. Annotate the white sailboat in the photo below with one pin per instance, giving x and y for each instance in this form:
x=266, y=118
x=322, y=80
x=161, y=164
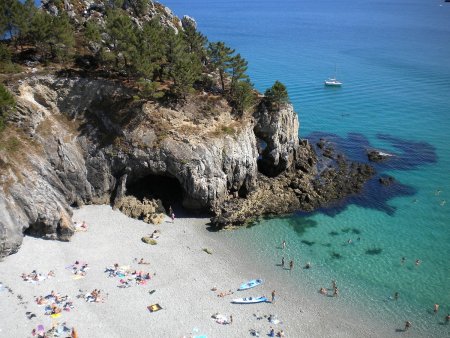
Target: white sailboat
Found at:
x=333, y=81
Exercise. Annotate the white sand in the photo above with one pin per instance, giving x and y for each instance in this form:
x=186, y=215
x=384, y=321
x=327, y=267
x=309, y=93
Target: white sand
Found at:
x=184, y=276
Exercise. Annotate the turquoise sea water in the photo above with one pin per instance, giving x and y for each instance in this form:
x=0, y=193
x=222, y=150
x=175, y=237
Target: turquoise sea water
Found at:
x=392, y=57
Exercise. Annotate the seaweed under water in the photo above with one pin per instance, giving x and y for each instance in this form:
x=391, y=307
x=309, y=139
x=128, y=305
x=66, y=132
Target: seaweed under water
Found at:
x=374, y=251
x=410, y=155
x=300, y=224
x=309, y=243
x=335, y=255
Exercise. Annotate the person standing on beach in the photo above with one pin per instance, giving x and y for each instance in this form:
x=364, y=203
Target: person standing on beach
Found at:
x=273, y=296
x=336, y=292
x=396, y=295
x=231, y=319
x=436, y=308
x=282, y=262
x=407, y=325
x=333, y=284
x=291, y=265
x=173, y=217
x=170, y=210
x=283, y=245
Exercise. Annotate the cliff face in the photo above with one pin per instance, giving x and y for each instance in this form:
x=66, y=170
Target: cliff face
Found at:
x=85, y=140
x=279, y=131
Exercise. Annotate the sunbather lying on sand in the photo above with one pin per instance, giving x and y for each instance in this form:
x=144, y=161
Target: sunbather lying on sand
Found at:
x=41, y=300
x=141, y=261
x=225, y=293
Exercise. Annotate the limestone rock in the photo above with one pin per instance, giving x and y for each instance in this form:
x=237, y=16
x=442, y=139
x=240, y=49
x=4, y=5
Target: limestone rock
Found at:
x=187, y=21
x=377, y=156
x=86, y=140
x=149, y=240
x=279, y=130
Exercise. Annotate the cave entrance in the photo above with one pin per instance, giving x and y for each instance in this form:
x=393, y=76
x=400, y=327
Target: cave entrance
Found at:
x=165, y=188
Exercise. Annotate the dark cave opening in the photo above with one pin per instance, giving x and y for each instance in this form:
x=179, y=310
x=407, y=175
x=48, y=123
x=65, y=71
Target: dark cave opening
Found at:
x=165, y=188
x=38, y=229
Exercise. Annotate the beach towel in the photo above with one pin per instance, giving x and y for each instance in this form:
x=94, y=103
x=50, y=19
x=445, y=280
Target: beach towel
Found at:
x=77, y=277
x=55, y=315
x=154, y=307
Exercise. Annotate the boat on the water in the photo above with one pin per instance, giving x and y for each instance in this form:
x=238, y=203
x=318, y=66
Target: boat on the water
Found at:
x=333, y=81
x=250, y=300
x=250, y=284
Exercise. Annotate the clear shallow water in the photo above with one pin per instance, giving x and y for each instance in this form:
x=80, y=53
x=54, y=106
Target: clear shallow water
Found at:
x=393, y=59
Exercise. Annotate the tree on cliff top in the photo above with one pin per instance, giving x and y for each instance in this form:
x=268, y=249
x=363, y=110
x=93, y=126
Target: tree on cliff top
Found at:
x=220, y=56
x=277, y=95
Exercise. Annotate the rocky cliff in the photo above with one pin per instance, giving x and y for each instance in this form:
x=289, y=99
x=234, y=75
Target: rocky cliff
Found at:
x=83, y=140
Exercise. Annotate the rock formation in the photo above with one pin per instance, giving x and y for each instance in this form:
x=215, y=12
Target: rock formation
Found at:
x=87, y=139
x=76, y=138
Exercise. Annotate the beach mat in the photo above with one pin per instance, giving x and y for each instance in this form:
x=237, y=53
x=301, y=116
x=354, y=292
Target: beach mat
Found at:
x=154, y=307
x=55, y=315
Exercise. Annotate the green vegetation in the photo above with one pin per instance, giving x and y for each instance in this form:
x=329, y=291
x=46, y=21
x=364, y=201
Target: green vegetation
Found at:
x=10, y=145
x=228, y=130
x=117, y=39
x=277, y=95
x=6, y=103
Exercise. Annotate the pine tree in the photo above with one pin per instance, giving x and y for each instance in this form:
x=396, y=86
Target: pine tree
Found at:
x=277, y=95
x=236, y=71
x=183, y=68
x=62, y=37
x=243, y=96
x=53, y=36
x=151, y=50
x=122, y=37
x=40, y=31
x=195, y=42
x=220, y=56
x=8, y=11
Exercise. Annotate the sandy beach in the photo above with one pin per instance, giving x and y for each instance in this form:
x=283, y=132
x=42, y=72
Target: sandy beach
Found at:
x=182, y=277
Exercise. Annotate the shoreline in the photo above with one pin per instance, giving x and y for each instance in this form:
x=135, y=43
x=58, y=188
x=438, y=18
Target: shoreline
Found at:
x=184, y=277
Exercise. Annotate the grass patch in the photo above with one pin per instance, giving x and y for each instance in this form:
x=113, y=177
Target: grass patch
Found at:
x=10, y=68
x=10, y=145
x=228, y=130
